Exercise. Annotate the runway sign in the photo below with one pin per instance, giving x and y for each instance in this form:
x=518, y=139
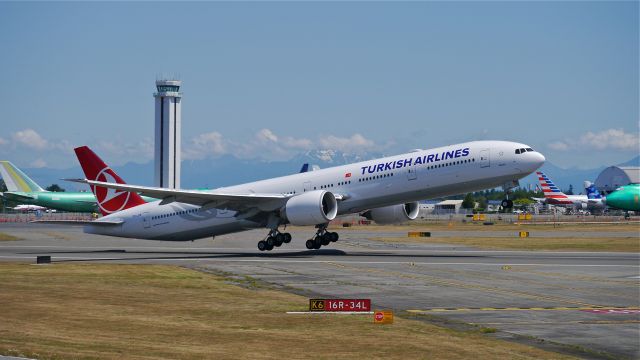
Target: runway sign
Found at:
x=351, y=305
x=383, y=317
x=419, y=234
x=524, y=234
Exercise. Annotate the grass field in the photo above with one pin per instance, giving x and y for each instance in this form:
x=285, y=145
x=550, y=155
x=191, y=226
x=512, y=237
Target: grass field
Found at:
x=7, y=237
x=629, y=244
x=479, y=227
x=96, y=311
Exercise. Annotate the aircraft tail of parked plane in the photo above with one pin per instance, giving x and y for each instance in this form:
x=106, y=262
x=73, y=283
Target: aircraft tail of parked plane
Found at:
x=554, y=196
x=109, y=200
x=592, y=192
x=552, y=193
x=16, y=180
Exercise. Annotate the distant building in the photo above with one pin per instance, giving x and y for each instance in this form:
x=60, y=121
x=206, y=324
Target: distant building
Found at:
x=448, y=207
x=613, y=177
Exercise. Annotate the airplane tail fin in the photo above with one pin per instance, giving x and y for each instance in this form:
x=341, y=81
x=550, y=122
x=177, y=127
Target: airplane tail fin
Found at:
x=551, y=192
x=109, y=200
x=16, y=180
x=592, y=192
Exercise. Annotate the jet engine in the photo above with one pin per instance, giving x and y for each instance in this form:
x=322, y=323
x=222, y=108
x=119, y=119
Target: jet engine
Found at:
x=394, y=214
x=311, y=208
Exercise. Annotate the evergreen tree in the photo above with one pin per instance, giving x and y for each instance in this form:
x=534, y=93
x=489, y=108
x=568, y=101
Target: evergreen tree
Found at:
x=55, y=188
x=468, y=202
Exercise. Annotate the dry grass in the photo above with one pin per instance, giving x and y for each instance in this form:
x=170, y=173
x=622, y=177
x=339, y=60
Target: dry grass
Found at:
x=628, y=244
x=152, y=311
x=7, y=237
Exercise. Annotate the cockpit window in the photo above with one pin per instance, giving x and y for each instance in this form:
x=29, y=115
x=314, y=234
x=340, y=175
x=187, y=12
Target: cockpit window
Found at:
x=529, y=149
x=517, y=151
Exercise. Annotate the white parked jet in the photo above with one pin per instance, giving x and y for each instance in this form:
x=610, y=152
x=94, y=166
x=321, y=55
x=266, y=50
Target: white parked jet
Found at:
x=385, y=190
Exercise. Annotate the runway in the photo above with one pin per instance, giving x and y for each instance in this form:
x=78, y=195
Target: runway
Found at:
x=586, y=300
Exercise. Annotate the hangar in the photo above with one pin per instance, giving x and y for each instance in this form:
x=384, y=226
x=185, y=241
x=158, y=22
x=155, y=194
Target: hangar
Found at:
x=615, y=176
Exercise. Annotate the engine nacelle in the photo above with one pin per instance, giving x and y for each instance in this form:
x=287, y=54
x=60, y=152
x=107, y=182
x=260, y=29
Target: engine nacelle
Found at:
x=311, y=208
x=394, y=214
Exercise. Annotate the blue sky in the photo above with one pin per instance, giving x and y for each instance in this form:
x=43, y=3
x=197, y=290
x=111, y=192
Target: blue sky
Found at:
x=270, y=79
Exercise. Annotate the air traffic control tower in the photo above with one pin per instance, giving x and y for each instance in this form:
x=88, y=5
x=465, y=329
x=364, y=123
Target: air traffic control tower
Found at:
x=167, y=142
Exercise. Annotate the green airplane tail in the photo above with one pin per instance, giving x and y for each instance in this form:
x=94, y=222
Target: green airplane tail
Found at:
x=16, y=180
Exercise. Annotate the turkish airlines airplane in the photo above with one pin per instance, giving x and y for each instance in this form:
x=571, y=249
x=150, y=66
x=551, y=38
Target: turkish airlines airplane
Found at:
x=385, y=190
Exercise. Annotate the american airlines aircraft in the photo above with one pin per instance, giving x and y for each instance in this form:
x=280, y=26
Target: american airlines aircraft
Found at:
x=386, y=190
x=554, y=196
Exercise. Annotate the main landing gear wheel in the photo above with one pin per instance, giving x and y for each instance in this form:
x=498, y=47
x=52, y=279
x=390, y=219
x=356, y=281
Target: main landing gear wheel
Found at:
x=262, y=245
x=322, y=238
x=506, y=203
x=275, y=239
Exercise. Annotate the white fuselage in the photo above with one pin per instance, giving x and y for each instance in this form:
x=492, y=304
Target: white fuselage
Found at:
x=393, y=180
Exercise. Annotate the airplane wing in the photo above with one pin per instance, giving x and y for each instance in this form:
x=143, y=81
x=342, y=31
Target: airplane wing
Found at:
x=239, y=202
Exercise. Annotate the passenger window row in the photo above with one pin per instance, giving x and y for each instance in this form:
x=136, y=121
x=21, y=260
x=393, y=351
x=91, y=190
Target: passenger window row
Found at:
x=369, y=178
x=451, y=163
x=174, y=214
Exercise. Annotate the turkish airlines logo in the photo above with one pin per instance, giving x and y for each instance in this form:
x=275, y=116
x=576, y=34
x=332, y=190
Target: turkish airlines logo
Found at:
x=109, y=200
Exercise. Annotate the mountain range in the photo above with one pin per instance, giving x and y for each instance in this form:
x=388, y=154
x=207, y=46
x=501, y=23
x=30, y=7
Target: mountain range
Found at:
x=229, y=170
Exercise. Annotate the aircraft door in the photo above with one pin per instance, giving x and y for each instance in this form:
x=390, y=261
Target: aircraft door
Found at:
x=485, y=158
x=307, y=186
x=412, y=173
x=145, y=220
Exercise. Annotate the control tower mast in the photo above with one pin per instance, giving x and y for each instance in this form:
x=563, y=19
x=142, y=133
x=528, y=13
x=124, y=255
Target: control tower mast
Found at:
x=167, y=133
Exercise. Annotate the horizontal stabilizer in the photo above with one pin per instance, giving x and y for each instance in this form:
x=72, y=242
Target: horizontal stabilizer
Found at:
x=79, y=222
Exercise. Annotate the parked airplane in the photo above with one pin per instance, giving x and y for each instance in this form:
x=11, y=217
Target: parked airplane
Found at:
x=386, y=189
x=23, y=190
x=27, y=208
x=554, y=196
x=625, y=198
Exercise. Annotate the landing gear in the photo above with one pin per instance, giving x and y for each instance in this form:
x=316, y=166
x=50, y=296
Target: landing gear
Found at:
x=508, y=187
x=506, y=203
x=322, y=238
x=275, y=239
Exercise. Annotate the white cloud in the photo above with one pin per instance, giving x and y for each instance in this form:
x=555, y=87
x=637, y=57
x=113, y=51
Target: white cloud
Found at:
x=39, y=163
x=138, y=151
x=31, y=139
x=611, y=138
x=356, y=143
x=266, y=135
x=3, y=141
x=205, y=145
x=559, y=145
x=614, y=139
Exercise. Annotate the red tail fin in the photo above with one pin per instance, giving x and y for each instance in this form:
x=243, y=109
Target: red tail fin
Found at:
x=109, y=200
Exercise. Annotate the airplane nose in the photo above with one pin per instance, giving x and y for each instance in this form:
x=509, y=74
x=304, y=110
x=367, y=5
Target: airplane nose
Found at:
x=539, y=159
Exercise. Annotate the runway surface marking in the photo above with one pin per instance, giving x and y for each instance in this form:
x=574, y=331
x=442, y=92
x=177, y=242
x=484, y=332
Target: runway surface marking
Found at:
x=547, y=323
x=267, y=259
x=489, y=289
x=629, y=310
x=572, y=276
x=407, y=250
